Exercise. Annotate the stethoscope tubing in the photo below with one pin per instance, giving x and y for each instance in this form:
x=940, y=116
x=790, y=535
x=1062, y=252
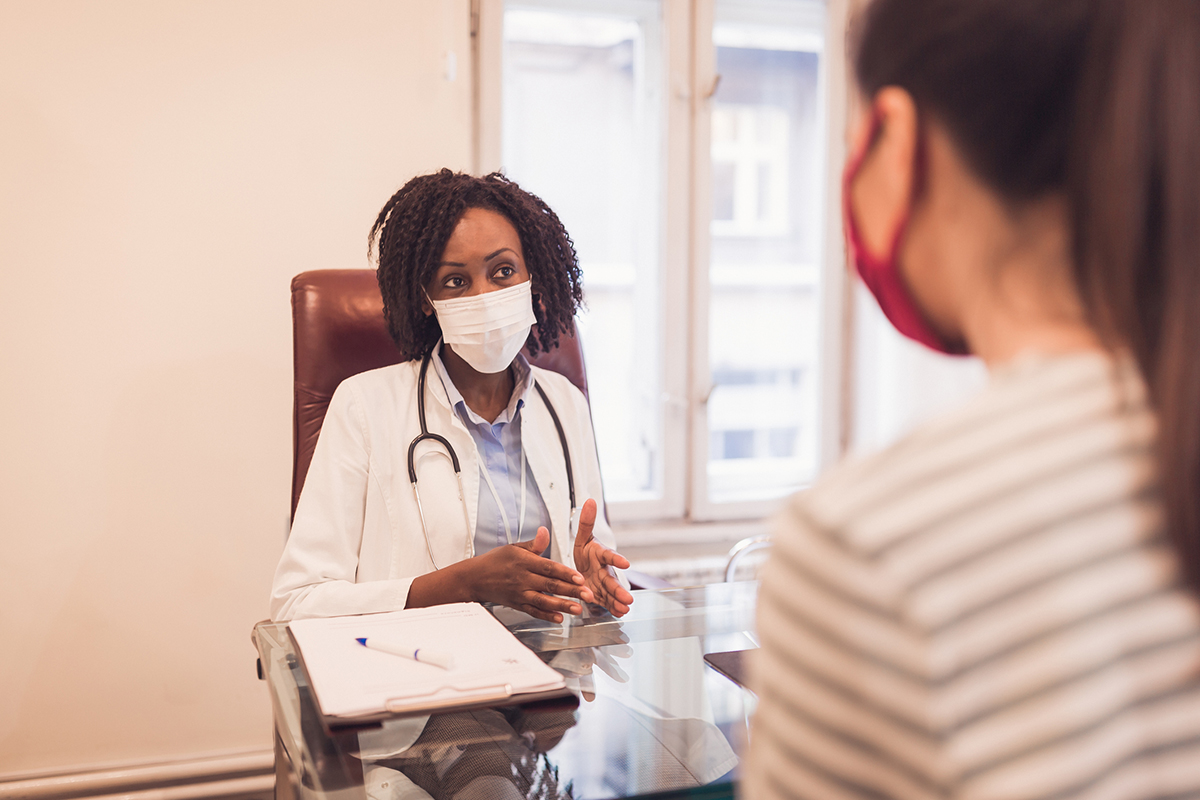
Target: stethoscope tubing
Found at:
x=425, y=435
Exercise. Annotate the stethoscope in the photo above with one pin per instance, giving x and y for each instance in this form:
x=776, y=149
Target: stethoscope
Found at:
x=445, y=443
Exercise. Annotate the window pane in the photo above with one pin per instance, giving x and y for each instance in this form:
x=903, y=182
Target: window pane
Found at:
x=767, y=166
x=581, y=129
x=899, y=383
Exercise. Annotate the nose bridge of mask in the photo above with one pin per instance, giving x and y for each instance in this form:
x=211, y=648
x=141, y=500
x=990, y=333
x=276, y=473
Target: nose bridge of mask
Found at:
x=475, y=303
x=486, y=317
x=483, y=333
x=485, y=313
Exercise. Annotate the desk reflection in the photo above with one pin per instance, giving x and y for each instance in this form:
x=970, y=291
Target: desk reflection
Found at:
x=485, y=753
x=647, y=715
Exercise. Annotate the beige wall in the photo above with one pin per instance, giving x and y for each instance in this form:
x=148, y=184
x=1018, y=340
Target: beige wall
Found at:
x=165, y=168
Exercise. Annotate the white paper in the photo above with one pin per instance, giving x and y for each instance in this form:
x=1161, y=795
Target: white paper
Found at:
x=351, y=680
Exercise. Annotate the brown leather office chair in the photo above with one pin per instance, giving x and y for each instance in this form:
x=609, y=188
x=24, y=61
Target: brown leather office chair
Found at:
x=338, y=330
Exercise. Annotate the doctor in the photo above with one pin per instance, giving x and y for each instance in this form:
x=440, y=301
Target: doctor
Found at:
x=501, y=451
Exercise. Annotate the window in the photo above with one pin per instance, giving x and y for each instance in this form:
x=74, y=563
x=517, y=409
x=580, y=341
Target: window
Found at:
x=583, y=129
x=683, y=144
x=900, y=383
x=765, y=159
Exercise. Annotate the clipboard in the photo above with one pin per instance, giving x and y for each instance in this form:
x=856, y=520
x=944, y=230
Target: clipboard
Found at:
x=353, y=687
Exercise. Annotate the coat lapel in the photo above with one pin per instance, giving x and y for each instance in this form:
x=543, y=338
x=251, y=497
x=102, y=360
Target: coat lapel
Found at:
x=544, y=451
x=441, y=420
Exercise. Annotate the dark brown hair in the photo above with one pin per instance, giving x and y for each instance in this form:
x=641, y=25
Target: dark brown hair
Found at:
x=410, y=235
x=1133, y=188
x=1098, y=100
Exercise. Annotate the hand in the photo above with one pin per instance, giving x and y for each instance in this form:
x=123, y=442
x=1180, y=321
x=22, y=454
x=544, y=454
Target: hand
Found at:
x=581, y=660
x=593, y=560
x=576, y=664
x=517, y=576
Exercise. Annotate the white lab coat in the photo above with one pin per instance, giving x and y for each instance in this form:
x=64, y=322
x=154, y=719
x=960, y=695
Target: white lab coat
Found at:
x=356, y=541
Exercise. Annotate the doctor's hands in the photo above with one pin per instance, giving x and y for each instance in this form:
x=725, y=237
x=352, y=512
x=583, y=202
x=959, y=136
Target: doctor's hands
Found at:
x=517, y=576
x=593, y=560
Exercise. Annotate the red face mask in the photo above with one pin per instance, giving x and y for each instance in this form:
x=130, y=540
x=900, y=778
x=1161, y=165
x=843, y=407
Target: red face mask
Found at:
x=882, y=275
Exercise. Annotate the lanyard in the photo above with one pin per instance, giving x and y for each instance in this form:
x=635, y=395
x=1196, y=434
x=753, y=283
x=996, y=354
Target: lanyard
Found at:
x=425, y=435
x=496, y=495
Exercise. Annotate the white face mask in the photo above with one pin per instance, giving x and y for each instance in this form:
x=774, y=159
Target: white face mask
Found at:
x=487, y=330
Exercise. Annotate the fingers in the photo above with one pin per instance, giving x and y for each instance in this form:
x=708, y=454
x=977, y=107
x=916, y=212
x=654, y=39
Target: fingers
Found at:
x=614, y=588
x=538, y=544
x=616, y=608
x=552, y=586
x=587, y=521
x=517, y=576
x=557, y=571
x=534, y=611
x=584, y=539
x=549, y=578
x=611, y=558
x=553, y=578
x=610, y=667
x=615, y=597
x=619, y=601
x=595, y=561
x=549, y=608
x=618, y=642
x=527, y=556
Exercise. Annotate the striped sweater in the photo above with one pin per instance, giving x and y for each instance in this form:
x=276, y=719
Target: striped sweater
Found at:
x=987, y=609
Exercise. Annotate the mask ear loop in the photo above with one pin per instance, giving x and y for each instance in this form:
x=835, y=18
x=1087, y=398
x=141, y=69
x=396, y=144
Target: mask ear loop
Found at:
x=854, y=166
x=855, y=241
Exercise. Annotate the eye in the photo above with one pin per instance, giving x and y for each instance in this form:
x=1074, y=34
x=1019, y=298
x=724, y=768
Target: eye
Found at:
x=505, y=271
x=454, y=282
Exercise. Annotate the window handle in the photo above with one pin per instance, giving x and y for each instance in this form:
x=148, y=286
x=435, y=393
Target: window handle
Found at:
x=684, y=93
x=711, y=91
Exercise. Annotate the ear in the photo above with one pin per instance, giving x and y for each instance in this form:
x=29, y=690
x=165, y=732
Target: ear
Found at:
x=536, y=296
x=882, y=191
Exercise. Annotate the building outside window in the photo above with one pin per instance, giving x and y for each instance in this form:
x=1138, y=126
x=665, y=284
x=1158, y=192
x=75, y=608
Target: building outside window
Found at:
x=693, y=153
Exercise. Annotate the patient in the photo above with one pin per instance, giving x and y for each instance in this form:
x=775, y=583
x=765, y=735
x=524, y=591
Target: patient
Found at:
x=1004, y=603
x=463, y=473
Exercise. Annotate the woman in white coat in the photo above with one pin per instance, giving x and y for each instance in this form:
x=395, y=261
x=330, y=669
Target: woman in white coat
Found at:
x=467, y=266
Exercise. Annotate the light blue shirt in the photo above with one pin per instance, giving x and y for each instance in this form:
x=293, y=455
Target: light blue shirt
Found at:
x=499, y=446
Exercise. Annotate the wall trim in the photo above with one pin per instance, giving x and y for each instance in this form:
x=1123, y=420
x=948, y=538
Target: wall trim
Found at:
x=248, y=775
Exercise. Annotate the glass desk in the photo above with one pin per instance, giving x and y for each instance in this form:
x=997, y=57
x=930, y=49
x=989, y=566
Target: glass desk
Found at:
x=648, y=716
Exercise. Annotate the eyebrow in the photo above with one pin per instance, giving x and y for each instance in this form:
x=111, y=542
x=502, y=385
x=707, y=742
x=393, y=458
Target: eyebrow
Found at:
x=488, y=257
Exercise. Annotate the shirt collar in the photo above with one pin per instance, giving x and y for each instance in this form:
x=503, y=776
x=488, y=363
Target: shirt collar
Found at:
x=522, y=384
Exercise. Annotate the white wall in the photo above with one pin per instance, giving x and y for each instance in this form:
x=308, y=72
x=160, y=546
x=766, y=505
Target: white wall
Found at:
x=165, y=168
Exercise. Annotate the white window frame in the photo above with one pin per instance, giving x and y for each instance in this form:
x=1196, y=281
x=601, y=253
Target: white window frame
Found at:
x=689, y=60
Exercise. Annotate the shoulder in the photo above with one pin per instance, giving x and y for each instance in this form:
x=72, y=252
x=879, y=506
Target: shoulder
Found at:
x=1034, y=426
x=386, y=381
x=366, y=396
x=559, y=389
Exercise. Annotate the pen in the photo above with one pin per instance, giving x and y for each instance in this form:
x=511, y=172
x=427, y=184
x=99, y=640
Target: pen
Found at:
x=422, y=654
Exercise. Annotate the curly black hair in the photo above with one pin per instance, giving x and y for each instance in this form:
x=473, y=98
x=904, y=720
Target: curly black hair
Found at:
x=410, y=236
